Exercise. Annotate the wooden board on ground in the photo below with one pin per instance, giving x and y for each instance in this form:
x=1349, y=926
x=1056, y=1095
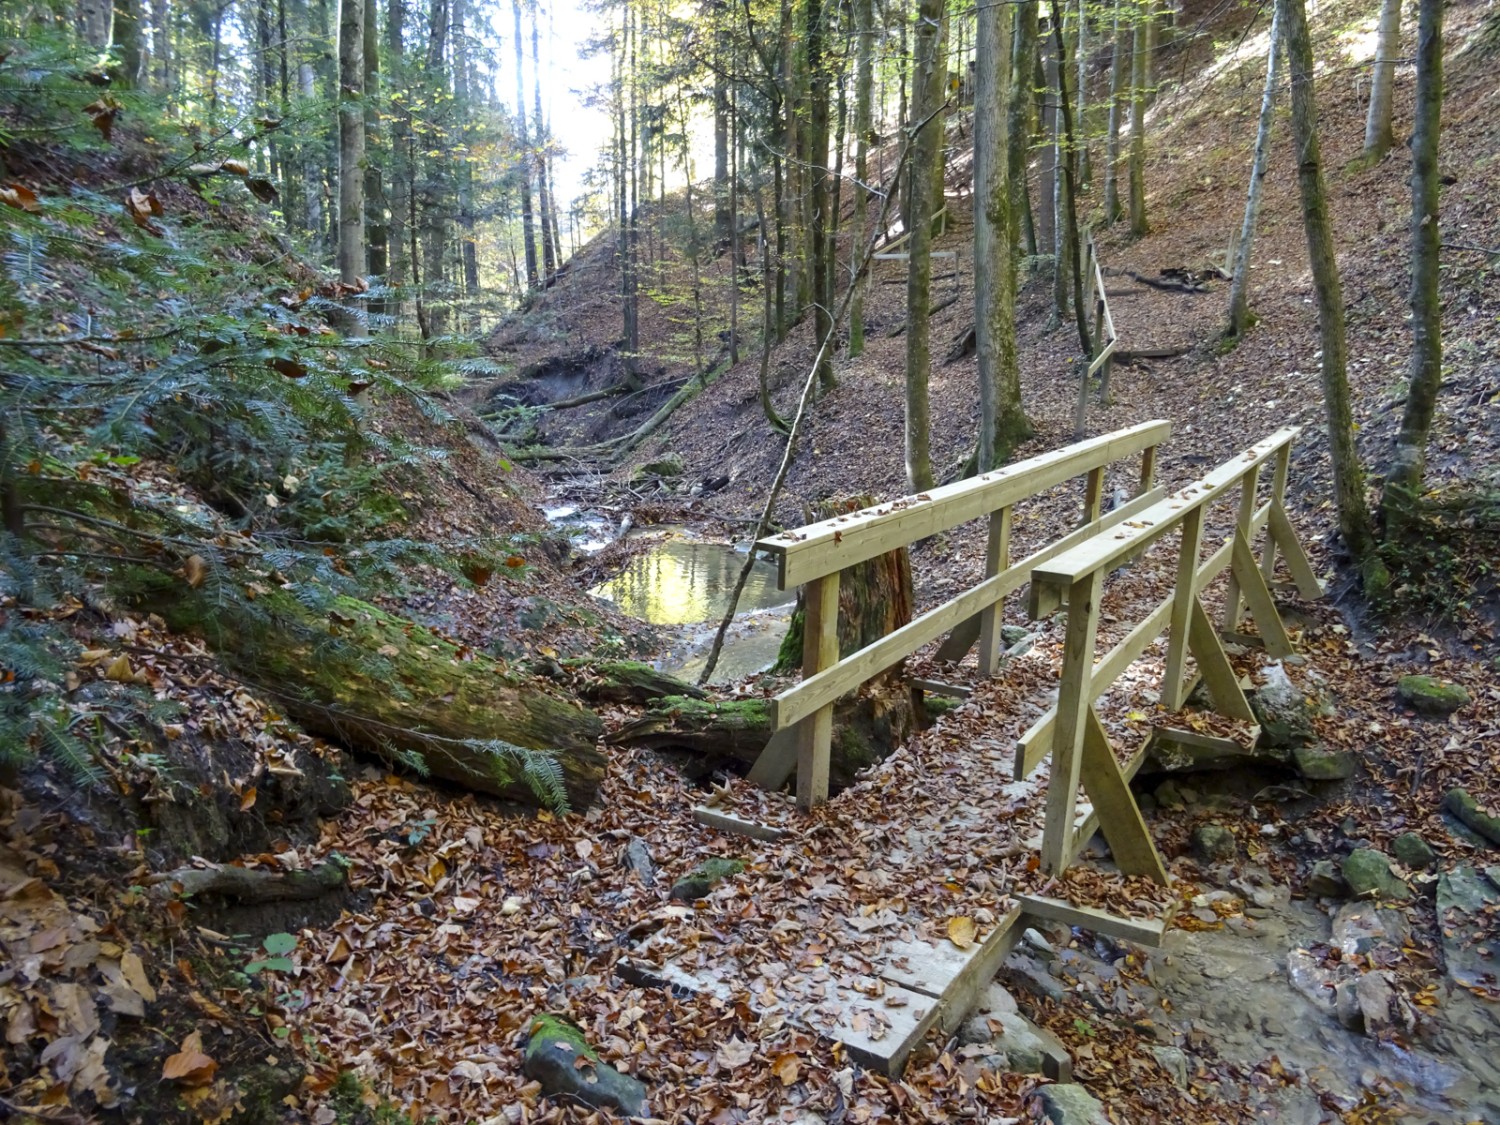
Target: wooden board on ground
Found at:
x=1142, y=931
x=736, y=825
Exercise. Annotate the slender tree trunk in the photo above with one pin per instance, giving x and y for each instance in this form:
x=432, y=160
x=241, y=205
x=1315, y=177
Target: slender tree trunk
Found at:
x=1403, y=482
x=927, y=146
x=1047, y=234
x=1348, y=475
x=376, y=230
x=1002, y=421
x=722, y=229
x=864, y=70
x=1022, y=97
x=1119, y=71
x=1140, y=82
x=161, y=44
x=820, y=243
x=1072, y=242
x=633, y=228
x=1239, y=285
x=528, y=217
x=433, y=307
x=351, y=254
x=396, y=272
x=768, y=332
x=1080, y=116
x=544, y=193
x=468, y=252
x=126, y=35
x=312, y=172
x=1379, y=135
x=93, y=21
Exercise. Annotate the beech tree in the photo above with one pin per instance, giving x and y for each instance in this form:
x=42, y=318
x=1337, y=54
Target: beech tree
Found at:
x=1403, y=479
x=1348, y=474
x=1379, y=135
x=1239, y=285
x=351, y=243
x=930, y=78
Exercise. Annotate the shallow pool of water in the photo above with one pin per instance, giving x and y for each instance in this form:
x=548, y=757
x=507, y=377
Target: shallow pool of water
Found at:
x=681, y=582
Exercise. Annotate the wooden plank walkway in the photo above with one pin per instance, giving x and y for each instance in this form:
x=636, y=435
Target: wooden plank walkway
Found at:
x=941, y=831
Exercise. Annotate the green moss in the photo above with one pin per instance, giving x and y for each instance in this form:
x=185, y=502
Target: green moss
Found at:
x=348, y=1099
x=548, y=1028
x=701, y=880
x=1428, y=695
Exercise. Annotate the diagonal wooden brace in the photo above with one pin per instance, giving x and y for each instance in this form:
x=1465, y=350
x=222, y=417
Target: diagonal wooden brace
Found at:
x=1223, y=684
x=1285, y=537
x=1252, y=584
x=1119, y=816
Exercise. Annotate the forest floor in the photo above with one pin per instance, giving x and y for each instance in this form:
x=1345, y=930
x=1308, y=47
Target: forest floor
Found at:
x=466, y=918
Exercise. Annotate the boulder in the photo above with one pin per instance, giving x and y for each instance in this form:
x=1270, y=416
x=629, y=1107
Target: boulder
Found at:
x=1030, y=1049
x=1428, y=695
x=1071, y=1105
x=1282, y=710
x=669, y=466
x=1471, y=950
x=1325, y=881
x=1360, y=927
x=1384, y=1010
x=637, y=858
x=1465, y=809
x=1318, y=763
x=1214, y=843
x=560, y=1058
x=1413, y=851
x=1369, y=875
x=1309, y=976
x=1174, y=1061
x=701, y=880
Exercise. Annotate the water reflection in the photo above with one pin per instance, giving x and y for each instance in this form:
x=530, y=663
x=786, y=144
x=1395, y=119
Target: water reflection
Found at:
x=683, y=583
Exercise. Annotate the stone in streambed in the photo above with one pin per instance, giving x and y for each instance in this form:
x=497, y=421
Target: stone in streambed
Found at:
x=1325, y=881
x=554, y=1047
x=1467, y=812
x=1428, y=695
x=1369, y=875
x=1318, y=763
x=701, y=880
x=1413, y=851
x=1214, y=842
x=1282, y=711
x=1465, y=902
x=1072, y=1105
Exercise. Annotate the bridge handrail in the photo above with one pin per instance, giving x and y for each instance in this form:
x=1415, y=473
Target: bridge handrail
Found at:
x=813, y=556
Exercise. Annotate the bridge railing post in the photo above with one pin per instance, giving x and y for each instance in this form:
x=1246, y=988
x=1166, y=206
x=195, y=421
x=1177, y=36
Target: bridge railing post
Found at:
x=820, y=650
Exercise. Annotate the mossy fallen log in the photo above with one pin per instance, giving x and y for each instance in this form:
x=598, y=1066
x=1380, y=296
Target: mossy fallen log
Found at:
x=731, y=734
x=357, y=675
x=622, y=681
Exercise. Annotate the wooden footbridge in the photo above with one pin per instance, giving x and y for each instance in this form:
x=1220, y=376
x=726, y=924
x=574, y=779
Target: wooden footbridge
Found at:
x=878, y=915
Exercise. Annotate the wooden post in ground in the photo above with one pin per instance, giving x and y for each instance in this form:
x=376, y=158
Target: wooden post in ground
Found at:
x=1093, y=496
x=1278, y=492
x=820, y=649
x=1234, y=600
x=1073, y=707
x=1148, y=470
x=1184, y=596
x=996, y=559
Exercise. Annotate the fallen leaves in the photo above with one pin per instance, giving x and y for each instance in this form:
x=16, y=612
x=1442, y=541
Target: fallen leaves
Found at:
x=962, y=931
x=20, y=197
x=103, y=113
x=144, y=208
x=190, y=1066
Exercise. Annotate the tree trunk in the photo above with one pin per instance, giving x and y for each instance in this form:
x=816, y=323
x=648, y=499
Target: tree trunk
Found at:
x=820, y=244
x=1002, y=421
x=1348, y=475
x=1080, y=115
x=927, y=147
x=544, y=194
x=1378, y=131
x=1403, y=482
x=1239, y=286
x=363, y=678
x=126, y=35
x=1140, y=81
x=351, y=254
x=1119, y=72
x=400, y=168
x=723, y=230
x=468, y=253
x=1072, y=241
x=864, y=69
x=93, y=21
x=528, y=217
x=375, y=217
x=312, y=171
x=1046, y=191
x=1022, y=59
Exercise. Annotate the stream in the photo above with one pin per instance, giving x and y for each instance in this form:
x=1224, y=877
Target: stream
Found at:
x=683, y=586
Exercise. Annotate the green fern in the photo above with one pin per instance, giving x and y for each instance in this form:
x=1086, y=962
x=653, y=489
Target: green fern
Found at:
x=540, y=771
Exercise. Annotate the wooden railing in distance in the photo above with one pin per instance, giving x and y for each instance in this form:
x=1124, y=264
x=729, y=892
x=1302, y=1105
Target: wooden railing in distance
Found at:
x=1072, y=730
x=813, y=556
x=1105, y=337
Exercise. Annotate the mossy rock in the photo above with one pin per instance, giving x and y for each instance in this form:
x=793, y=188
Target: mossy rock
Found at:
x=561, y=1059
x=1428, y=695
x=701, y=880
x=671, y=465
x=1466, y=810
x=1318, y=763
x=1369, y=875
x=1413, y=850
x=1214, y=843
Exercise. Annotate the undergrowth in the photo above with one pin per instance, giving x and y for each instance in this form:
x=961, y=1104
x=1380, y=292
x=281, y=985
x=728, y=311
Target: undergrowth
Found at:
x=1445, y=565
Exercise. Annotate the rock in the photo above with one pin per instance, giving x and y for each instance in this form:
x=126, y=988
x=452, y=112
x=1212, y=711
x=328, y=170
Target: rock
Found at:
x=554, y=1047
x=1360, y=927
x=669, y=466
x=1471, y=950
x=1346, y=1006
x=1428, y=695
x=1467, y=811
x=1174, y=1061
x=1318, y=763
x=1037, y=942
x=996, y=1002
x=1032, y=1049
x=1072, y=1105
x=1214, y=842
x=1413, y=851
x=1169, y=795
x=1309, y=977
x=638, y=859
x=1034, y=977
x=1369, y=875
x=1325, y=880
x=1382, y=1007
x=1013, y=635
x=1282, y=711
x=701, y=880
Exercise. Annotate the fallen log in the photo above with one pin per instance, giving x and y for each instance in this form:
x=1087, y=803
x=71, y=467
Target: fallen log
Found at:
x=622, y=681
x=252, y=885
x=381, y=684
